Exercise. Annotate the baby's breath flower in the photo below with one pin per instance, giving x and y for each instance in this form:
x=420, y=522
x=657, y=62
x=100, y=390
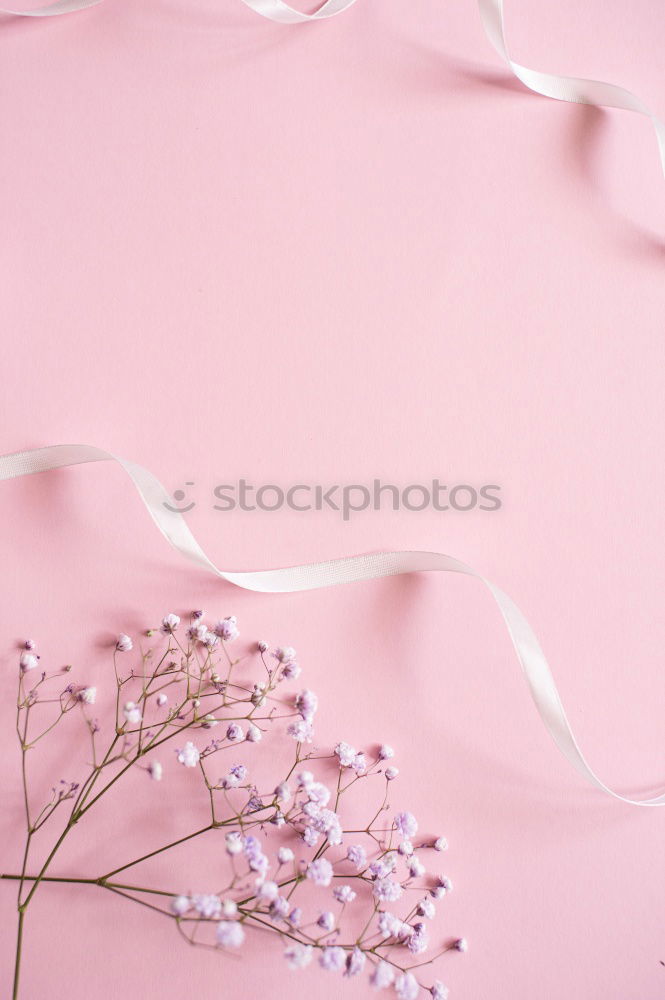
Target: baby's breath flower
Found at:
x=88, y=695
x=155, y=770
x=180, y=905
x=132, y=713
x=406, y=824
x=406, y=986
x=28, y=661
x=170, y=623
x=355, y=962
x=439, y=991
x=189, y=756
x=382, y=976
x=391, y=773
x=123, y=643
x=461, y=944
x=227, y=629
x=254, y=734
x=320, y=871
x=262, y=646
x=386, y=752
x=285, y=655
x=344, y=894
x=230, y=934
x=440, y=844
x=333, y=959
x=298, y=955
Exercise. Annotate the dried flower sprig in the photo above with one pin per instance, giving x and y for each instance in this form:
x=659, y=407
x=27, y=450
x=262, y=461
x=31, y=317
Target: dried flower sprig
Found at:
x=329, y=892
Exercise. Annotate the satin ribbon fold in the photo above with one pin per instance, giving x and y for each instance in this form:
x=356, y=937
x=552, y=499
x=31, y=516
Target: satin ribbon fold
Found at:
x=312, y=576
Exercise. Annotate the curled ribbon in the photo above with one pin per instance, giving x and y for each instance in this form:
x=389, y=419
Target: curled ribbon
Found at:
x=574, y=90
x=335, y=571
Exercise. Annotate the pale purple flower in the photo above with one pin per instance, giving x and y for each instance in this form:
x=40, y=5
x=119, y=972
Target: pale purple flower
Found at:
x=262, y=646
x=359, y=763
x=28, y=661
x=279, y=908
x=211, y=640
x=88, y=695
x=426, y=908
x=230, y=934
x=418, y=942
x=189, y=756
x=405, y=848
x=386, y=752
x=132, y=713
x=320, y=871
x=310, y=836
x=283, y=792
x=344, y=894
x=234, y=733
x=386, y=890
x=124, y=643
x=254, y=734
x=298, y=955
x=461, y=944
x=327, y=921
x=197, y=632
x=355, y=963
x=305, y=778
x=382, y=976
x=170, y=623
x=333, y=959
x=406, y=824
x=357, y=856
x=227, y=629
x=155, y=770
x=346, y=754
x=318, y=793
x=440, y=844
x=307, y=704
x=29, y=644
x=295, y=916
x=285, y=655
x=207, y=906
x=301, y=731
x=180, y=905
x=197, y=614
x=416, y=867
x=391, y=773
x=443, y=882
x=406, y=986
x=285, y=855
x=439, y=991
x=291, y=671
x=229, y=908
x=234, y=843
x=268, y=891
x=161, y=699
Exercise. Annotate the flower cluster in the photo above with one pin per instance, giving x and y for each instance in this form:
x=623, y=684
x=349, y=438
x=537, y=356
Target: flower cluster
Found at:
x=356, y=896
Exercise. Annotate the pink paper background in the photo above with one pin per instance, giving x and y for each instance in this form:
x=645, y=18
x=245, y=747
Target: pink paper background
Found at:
x=335, y=252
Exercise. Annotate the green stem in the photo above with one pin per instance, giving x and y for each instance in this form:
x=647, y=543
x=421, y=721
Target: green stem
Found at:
x=19, y=947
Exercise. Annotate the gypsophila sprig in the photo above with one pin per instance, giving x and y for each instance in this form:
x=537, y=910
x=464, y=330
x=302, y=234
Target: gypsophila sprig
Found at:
x=358, y=898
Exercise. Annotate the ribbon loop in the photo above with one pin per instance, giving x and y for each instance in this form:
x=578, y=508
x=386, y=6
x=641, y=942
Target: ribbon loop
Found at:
x=336, y=571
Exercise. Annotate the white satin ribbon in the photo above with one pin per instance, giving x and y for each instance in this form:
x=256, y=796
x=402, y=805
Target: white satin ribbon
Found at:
x=572, y=89
x=277, y=10
x=51, y=9
x=326, y=574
